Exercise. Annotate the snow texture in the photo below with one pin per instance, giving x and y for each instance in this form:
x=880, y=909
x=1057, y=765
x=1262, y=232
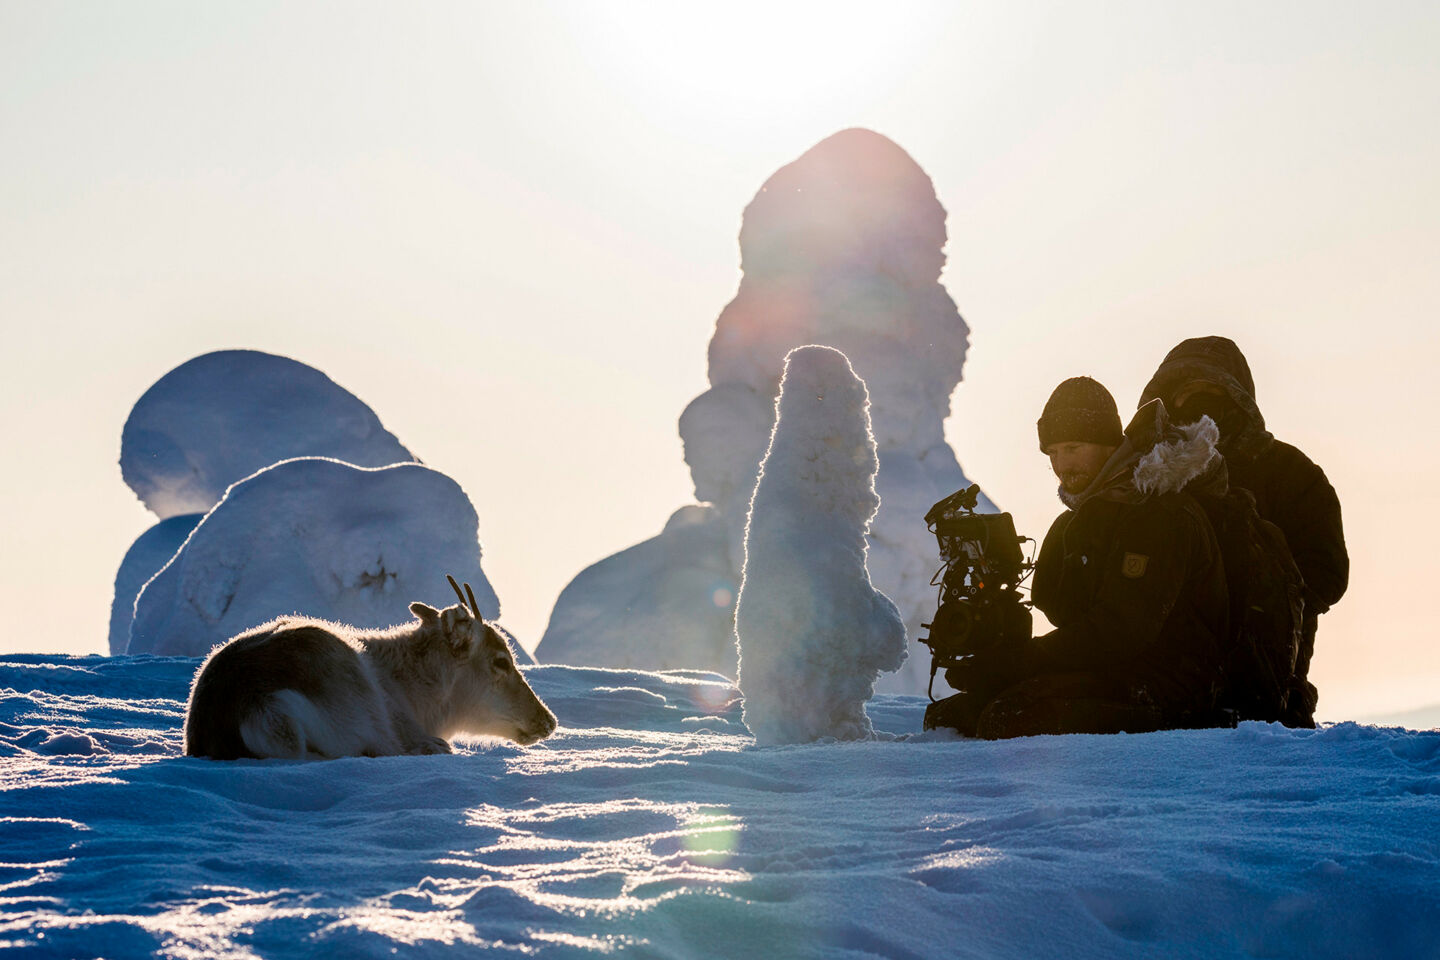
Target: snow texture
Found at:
x=813, y=633
x=222, y=416
x=150, y=552
x=320, y=538
x=650, y=825
x=842, y=247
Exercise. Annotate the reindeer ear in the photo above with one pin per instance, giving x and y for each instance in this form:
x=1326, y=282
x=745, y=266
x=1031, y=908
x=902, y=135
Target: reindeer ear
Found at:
x=425, y=612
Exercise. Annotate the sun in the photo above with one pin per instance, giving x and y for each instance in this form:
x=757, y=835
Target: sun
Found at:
x=748, y=60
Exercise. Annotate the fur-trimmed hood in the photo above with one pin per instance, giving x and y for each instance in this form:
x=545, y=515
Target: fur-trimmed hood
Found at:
x=1158, y=457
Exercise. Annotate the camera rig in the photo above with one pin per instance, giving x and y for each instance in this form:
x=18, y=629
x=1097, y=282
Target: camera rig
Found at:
x=980, y=603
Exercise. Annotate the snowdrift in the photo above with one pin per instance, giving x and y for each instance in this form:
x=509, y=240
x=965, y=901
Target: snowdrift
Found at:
x=651, y=825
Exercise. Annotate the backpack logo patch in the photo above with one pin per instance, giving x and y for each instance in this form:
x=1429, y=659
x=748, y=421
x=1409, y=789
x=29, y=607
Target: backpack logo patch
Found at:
x=1134, y=564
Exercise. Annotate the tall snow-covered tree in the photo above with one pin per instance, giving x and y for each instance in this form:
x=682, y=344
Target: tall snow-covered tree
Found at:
x=813, y=632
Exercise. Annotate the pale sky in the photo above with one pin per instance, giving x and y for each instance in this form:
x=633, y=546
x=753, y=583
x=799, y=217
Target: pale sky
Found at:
x=509, y=229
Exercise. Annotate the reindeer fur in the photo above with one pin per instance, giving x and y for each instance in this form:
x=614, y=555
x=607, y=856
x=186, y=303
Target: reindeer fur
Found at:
x=298, y=688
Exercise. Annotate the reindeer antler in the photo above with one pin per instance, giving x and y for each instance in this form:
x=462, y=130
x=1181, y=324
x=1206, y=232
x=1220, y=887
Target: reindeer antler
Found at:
x=456, y=587
x=474, y=607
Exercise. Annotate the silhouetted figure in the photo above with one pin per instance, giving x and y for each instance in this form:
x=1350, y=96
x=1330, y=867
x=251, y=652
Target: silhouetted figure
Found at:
x=1209, y=376
x=1130, y=575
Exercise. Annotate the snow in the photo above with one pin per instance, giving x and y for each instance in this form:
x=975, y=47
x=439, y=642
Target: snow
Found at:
x=146, y=556
x=678, y=586
x=650, y=824
x=221, y=416
x=316, y=537
x=842, y=247
x=814, y=634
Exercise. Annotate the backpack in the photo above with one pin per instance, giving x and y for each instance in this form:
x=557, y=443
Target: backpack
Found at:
x=1267, y=604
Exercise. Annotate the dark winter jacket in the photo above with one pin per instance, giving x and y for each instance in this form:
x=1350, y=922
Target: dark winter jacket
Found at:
x=1290, y=490
x=1131, y=576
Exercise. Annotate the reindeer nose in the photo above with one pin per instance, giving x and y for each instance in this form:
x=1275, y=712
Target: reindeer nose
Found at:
x=535, y=735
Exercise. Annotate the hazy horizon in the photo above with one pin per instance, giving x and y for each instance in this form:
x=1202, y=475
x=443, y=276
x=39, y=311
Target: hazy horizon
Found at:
x=509, y=229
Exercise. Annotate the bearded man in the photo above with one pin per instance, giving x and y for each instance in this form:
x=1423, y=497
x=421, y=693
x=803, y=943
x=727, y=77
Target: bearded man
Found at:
x=1130, y=575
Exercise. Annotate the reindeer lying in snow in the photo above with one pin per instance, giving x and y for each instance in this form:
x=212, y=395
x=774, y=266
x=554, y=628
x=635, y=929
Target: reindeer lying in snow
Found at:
x=302, y=688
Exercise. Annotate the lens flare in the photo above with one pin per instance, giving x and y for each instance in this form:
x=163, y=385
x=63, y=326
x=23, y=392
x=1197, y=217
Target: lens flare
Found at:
x=712, y=835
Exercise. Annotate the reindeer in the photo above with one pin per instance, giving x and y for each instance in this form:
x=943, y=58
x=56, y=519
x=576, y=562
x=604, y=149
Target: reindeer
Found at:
x=302, y=688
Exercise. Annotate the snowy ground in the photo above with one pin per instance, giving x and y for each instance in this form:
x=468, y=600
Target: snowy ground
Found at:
x=650, y=825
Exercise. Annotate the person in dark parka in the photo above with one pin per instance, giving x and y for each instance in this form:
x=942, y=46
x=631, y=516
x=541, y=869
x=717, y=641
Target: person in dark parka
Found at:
x=1130, y=576
x=1209, y=376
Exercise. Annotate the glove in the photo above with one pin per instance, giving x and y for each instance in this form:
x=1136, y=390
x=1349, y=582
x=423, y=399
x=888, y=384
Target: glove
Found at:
x=989, y=671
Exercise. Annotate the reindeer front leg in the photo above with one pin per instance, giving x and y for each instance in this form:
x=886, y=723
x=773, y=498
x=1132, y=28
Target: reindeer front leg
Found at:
x=415, y=741
x=428, y=746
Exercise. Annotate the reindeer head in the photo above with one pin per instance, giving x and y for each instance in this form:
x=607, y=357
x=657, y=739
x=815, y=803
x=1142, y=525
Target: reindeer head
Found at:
x=489, y=697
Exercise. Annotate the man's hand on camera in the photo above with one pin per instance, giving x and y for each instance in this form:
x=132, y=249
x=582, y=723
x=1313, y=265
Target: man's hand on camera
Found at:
x=988, y=671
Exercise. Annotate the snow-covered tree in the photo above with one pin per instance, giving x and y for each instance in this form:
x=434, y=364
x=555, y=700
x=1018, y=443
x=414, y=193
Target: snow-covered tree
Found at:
x=813, y=632
x=319, y=538
x=146, y=557
x=219, y=417
x=842, y=247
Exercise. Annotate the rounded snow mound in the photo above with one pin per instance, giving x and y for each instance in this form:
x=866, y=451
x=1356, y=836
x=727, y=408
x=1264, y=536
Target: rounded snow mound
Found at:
x=663, y=604
x=320, y=538
x=222, y=416
x=146, y=556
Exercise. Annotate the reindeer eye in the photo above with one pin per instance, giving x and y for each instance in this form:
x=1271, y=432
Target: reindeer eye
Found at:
x=503, y=664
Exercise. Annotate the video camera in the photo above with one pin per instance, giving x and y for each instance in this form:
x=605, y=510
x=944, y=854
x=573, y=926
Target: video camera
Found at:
x=980, y=603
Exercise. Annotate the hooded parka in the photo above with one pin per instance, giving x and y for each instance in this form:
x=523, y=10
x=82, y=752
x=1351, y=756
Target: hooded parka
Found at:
x=1290, y=490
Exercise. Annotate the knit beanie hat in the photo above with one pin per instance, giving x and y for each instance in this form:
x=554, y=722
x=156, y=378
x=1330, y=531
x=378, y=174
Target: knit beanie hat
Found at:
x=1080, y=410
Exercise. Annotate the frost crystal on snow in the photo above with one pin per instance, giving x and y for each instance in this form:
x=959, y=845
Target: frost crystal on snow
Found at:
x=319, y=538
x=842, y=247
x=220, y=417
x=813, y=632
